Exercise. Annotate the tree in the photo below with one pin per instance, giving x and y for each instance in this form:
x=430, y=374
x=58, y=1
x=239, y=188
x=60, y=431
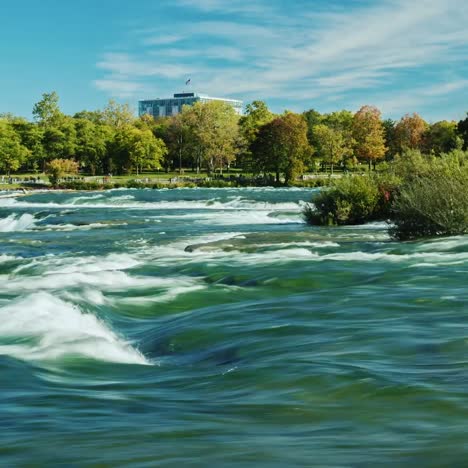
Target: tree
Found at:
x=256, y=115
x=340, y=120
x=462, y=129
x=47, y=110
x=92, y=140
x=136, y=150
x=442, y=137
x=57, y=168
x=331, y=143
x=390, y=138
x=59, y=139
x=368, y=134
x=282, y=147
x=117, y=115
x=178, y=139
x=213, y=133
x=31, y=136
x=312, y=118
x=12, y=153
x=410, y=132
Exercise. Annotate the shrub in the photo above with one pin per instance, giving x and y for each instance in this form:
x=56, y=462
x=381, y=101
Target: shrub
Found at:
x=351, y=200
x=80, y=185
x=433, y=204
x=57, y=168
x=312, y=183
x=135, y=184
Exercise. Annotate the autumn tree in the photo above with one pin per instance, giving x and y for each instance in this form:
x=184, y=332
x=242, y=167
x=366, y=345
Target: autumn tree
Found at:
x=282, y=147
x=58, y=168
x=368, y=134
x=410, y=132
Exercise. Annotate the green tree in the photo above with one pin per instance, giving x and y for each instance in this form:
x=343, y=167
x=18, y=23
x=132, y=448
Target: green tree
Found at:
x=92, y=141
x=256, y=114
x=442, y=137
x=47, y=111
x=462, y=129
x=312, y=118
x=332, y=145
x=368, y=134
x=117, y=115
x=12, y=153
x=390, y=139
x=213, y=132
x=178, y=140
x=137, y=150
x=59, y=139
x=31, y=135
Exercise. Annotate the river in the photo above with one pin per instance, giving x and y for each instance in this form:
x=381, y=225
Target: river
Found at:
x=212, y=327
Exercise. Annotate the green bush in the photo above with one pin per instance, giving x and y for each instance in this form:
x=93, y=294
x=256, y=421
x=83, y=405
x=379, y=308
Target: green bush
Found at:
x=351, y=200
x=135, y=184
x=433, y=204
x=312, y=183
x=80, y=185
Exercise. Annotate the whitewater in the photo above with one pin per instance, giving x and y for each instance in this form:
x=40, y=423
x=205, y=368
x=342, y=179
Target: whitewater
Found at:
x=213, y=327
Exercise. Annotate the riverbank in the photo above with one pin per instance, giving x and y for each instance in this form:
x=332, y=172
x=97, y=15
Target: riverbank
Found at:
x=40, y=182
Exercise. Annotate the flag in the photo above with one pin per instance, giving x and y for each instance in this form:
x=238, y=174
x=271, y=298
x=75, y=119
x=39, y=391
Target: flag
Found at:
x=188, y=81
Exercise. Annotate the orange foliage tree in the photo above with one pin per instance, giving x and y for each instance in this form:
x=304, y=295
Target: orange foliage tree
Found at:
x=369, y=135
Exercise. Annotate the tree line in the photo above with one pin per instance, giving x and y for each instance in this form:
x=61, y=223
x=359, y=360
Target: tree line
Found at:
x=212, y=137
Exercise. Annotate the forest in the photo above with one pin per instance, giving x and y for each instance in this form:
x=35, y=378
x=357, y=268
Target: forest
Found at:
x=211, y=137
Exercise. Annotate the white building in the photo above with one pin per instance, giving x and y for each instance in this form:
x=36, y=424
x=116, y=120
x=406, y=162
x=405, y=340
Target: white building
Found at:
x=172, y=106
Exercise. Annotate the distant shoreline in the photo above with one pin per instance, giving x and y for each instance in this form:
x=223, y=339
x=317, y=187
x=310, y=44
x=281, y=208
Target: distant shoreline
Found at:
x=23, y=183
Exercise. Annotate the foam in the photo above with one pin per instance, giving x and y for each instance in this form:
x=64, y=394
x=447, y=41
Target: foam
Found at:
x=7, y=258
x=17, y=223
x=80, y=227
x=128, y=202
x=48, y=328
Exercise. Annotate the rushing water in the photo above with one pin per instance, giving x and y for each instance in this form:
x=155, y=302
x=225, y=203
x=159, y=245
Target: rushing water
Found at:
x=214, y=328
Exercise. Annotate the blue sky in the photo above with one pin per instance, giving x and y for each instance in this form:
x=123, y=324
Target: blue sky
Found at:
x=400, y=55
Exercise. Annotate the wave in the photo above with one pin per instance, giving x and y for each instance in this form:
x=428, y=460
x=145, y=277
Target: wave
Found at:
x=84, y=198
x=88, y=264
x=15, y=222
x=7, y=258
x=41, y=327
x=80, y=227
x=129, y=203
x=444, y=244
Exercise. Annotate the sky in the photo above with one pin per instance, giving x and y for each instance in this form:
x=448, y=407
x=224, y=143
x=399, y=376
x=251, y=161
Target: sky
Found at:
x=399, y=55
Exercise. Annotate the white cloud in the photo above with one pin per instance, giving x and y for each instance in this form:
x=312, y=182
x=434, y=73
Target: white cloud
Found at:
x=118, y=88
x=299, y=54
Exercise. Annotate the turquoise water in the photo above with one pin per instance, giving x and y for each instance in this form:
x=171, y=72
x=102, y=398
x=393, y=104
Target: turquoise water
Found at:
x=214, y=328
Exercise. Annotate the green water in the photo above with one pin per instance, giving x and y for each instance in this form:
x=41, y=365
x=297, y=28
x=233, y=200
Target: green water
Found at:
x=214, y=328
